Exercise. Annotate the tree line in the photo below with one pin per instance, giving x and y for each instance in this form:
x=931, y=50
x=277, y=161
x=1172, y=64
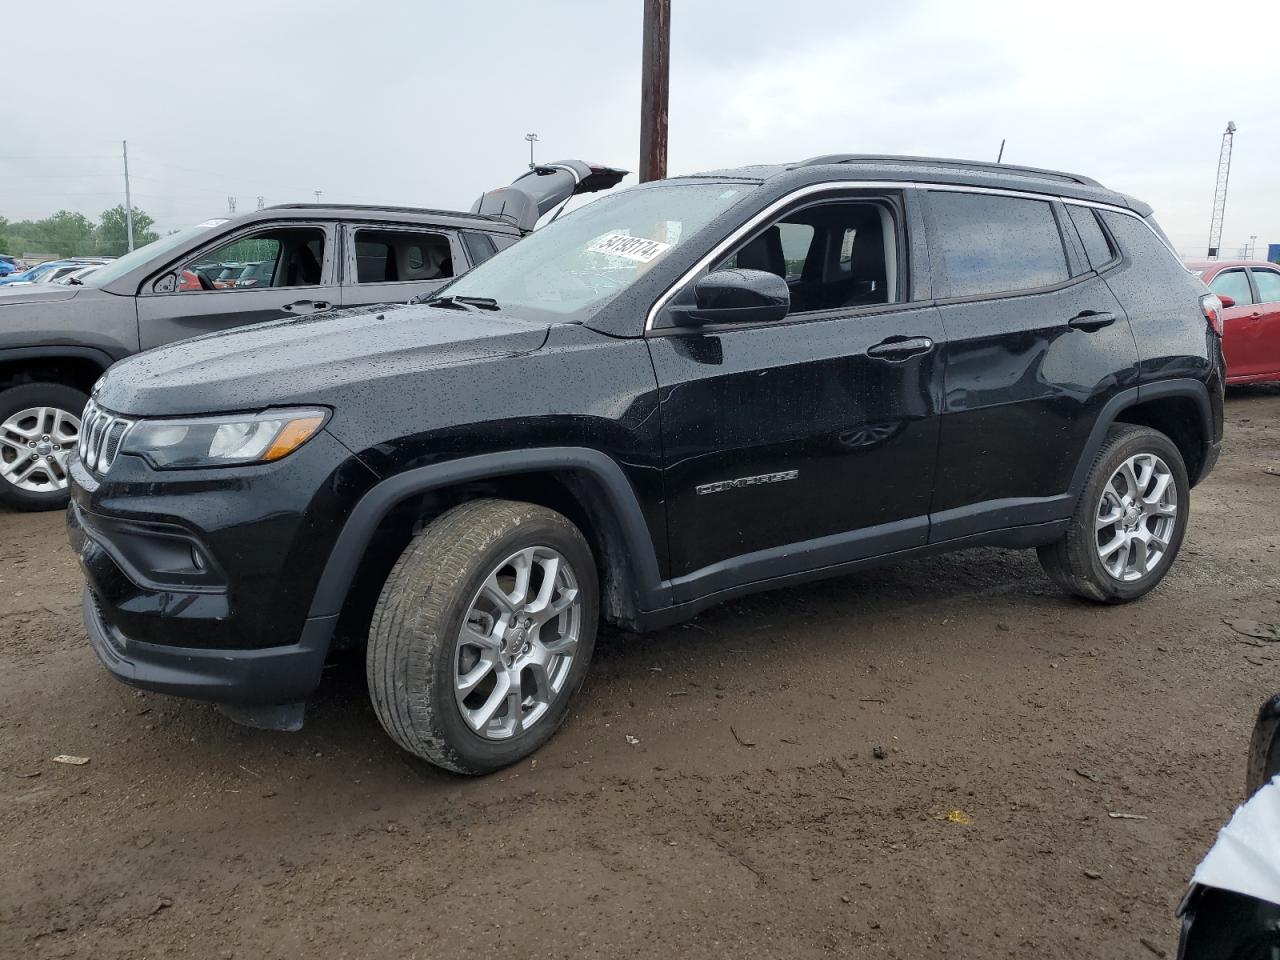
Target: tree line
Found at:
x=67, y=234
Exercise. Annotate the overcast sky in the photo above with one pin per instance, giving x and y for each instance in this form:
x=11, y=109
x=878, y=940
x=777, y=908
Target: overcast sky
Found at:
x=428, y=102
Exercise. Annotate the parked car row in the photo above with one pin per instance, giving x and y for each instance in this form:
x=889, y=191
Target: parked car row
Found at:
x=225, y=276
x=676, y=395
x=51, y=271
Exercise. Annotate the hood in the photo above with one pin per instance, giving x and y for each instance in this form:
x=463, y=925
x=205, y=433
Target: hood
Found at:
x=36, y=292
x=311, y=359
x=543, y=188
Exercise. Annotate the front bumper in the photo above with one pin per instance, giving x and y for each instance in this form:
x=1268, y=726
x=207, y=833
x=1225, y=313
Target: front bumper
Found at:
x=198, y=584
x=273, y=675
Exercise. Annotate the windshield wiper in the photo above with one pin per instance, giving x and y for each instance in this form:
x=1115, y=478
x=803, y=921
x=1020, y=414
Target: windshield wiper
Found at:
x=460, y=303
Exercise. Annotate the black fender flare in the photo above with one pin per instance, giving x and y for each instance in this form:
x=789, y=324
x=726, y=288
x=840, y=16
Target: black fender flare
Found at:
x=650, y=591
x=58, y=352
x=1143, y=393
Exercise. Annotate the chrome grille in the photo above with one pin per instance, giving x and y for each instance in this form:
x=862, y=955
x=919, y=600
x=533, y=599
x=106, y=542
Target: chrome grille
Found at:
x=101, y=434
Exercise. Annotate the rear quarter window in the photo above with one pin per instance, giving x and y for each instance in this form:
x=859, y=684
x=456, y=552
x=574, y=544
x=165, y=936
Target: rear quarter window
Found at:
x=1144, y=248
x=1268, y=284
x=987, y=245
x=480, y=247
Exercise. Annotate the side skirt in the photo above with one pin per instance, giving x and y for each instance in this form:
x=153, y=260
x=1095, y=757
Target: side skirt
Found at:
x=1028, y=535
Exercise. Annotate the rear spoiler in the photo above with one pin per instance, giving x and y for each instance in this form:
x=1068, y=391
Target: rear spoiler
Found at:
x=543, y=188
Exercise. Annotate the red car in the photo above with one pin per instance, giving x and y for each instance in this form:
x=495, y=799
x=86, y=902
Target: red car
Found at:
x=1250, y=294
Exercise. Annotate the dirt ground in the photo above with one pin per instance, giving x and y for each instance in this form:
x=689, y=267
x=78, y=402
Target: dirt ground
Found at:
x=751, y=819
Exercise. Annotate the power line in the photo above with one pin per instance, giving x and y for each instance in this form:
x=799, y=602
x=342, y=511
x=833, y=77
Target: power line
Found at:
x=37, y=156
x=224, y=176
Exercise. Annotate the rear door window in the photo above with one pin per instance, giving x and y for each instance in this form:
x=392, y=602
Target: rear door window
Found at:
x=985, y=245
x=1096, y=244
x=1234, y=284
x=1268, y=284
x=398, y=256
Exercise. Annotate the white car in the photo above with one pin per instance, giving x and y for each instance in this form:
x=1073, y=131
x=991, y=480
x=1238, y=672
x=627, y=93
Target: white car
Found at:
x=1232, y=909
x=75, y=276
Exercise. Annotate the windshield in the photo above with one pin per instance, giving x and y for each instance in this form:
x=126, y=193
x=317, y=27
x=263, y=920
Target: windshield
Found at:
x=571, y=267
x=143, y=255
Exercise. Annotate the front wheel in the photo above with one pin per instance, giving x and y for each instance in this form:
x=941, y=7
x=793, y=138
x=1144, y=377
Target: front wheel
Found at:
x=482, y=634
x=1129, y=521
x=39, y=428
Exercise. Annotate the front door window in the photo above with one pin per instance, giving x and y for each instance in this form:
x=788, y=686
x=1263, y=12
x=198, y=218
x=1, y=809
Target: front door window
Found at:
x=278, y=257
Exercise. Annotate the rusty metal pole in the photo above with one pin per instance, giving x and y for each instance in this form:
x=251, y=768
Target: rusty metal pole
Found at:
x=653, y=89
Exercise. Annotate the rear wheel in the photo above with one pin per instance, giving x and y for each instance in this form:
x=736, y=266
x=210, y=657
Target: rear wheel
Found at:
x=39, y=427
x=1129, y=521
x=482, y=634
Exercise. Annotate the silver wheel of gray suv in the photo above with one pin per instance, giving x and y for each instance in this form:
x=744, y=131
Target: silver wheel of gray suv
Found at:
x=39, y=427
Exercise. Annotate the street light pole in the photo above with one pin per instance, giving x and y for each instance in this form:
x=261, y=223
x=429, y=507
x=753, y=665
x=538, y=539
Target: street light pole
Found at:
x=654, y=88
x=128, y=199
x=532, y=138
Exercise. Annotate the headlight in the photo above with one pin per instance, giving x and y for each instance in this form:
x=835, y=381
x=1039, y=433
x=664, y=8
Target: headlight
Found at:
x=223, y=441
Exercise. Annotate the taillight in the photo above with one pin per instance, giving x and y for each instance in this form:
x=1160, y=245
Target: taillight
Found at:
x=1211, y=307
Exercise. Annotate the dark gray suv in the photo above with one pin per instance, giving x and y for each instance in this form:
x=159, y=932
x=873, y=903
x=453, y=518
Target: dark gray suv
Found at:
x=56, y=341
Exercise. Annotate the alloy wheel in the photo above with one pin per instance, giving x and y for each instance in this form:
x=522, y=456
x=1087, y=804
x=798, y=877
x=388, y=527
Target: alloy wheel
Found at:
x=34, y=447
x=517, y=643
x=1136, y=517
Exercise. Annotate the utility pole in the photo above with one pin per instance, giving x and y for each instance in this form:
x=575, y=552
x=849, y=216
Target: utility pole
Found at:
x=128, y=199
x=317, y=196
x=231, y=205
x=532, y=138
x=1253, y=245
x=260, y=203
x=1220, y=190
x=654, y=88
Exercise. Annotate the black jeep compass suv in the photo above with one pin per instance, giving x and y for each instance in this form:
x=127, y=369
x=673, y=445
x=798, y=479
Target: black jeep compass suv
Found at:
x=677, y=394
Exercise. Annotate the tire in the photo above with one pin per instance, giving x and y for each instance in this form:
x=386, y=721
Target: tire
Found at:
x=43, y=487
x=416, y=649
x=1075, y=563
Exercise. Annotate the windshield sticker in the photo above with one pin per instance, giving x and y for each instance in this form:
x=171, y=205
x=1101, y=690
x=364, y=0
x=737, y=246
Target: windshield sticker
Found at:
x=640, y=249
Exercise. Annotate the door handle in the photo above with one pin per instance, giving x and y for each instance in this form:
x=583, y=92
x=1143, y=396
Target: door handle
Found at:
x=1091, y=320
x=306, y=306
x=898, y=349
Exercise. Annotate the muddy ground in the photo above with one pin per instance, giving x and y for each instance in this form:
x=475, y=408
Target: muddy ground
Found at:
x=751, y=818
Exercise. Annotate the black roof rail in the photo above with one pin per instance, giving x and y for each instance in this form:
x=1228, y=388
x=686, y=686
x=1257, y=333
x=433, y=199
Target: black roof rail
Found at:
x=976, y=165
x=377, y=207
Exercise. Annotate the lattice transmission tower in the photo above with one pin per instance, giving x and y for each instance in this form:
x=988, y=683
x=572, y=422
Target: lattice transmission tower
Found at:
x=1220, y=192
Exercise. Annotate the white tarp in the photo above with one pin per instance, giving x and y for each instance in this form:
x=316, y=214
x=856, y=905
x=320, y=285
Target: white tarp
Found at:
x=1246, y=857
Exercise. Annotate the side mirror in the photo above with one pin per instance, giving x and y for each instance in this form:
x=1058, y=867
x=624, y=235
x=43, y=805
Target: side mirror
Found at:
x=1227, y=301
x=737, y=296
